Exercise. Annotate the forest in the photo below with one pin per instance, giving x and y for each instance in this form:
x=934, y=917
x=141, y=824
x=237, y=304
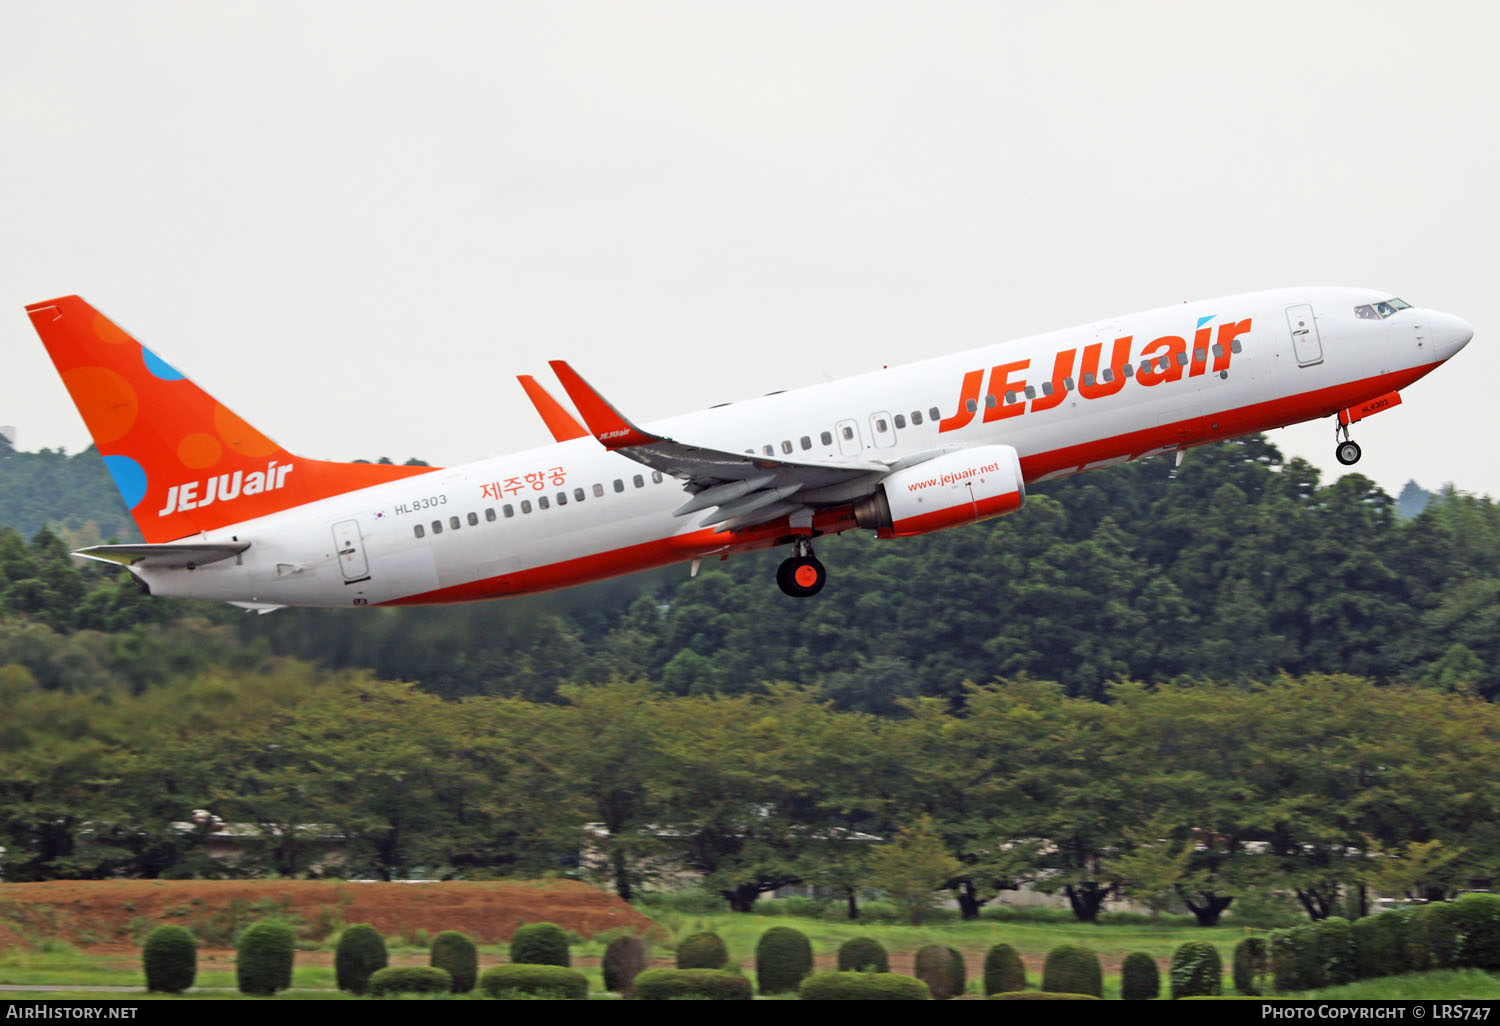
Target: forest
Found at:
x=1182, y=684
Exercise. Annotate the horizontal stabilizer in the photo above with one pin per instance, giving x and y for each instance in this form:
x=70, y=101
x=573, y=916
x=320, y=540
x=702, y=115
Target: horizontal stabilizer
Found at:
x=170, y=556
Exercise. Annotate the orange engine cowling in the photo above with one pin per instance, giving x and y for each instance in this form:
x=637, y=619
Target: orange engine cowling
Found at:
x=955, y=488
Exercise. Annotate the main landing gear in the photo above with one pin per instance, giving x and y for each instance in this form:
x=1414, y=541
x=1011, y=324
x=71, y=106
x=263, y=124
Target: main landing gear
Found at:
x=1346, y=452
x=801, y=575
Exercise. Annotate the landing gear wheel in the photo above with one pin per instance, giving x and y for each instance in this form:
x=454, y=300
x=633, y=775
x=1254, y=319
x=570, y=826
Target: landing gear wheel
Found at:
x=801, y=576
x=1347, y=453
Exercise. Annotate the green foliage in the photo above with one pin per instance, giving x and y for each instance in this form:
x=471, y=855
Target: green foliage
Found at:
x=1336, y=953
x=1439, y=924
x=410, y=979
x=912, y=867
x=942, y=969
x=1041, y=995
x=1196, y=970
x=1377, y=945
x=536, y=980
x=1295, y=962
x=678, y=984
x=170, y=959
x=1416, y=956
x=1252, y=965
x=863, y=955
x=456, y=954
x=1478, y=917
x=862, y=986
x=360, y=954
x=702, y=951
x=540, y=944
x=783, y=957
x=624, y=959
x=263, y=958
x=1140, y=979
x=1070, y=969
x=1003, y=970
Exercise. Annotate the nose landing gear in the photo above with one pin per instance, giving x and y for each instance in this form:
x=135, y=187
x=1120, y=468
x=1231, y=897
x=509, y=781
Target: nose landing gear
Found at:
x=801, y=575
x=1346, y=452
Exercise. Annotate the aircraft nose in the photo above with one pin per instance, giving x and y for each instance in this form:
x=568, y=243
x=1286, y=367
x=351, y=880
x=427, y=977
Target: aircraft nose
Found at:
x=1449, y=333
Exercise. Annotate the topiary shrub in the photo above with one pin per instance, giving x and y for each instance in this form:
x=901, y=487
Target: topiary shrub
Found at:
x=1196, y=970
x=360, y=954
x=170, y=958
x=1439, y=925
x=540, y=944
x=1334, y=941
x=535, y=980
x=712, y=984
x=409, y=979
x=263, y=957
x=1140, y=979
x=943, y=973
x=624, y=959
x=1294, y=960
x=1415, y=957
x=702, y=951
x=863, y=955
x=783, y=959
x=1252, y=966
x=1070, y=969
x=862, y=986
x=1003, y=970
x=456, y=954
x=1478, y=917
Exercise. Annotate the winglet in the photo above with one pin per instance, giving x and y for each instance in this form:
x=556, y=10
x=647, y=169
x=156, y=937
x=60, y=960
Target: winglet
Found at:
x=605, y=422
x=558, y=420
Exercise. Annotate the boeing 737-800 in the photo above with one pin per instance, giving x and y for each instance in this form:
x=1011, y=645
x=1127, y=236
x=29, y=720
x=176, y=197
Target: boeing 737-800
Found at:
x=228, y=514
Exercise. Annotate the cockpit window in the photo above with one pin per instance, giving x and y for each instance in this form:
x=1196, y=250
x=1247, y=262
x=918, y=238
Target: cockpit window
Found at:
x=1380, y=311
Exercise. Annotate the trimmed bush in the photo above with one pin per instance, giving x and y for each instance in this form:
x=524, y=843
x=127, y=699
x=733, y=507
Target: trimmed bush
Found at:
x=1140, y=979
x=702, y=951
x=862, y=986
x=1415, y=957
x=1439, y=924
x=536, y=979
x=863, y=955
x=1334, y=941
x=1196, y=971
x=713, y=984
x=623, y=960
x=783, y=959
x=1252, y=966
x=170, y=958
x=361, y=953
x=1041, y=995
x=456, y=954
x=1478, y=918
x=942, y=969
x=540, y=944
x=263, y=957
x=1003, y=970
x=1294, y=960
x=410, y=979
x=1070, y=969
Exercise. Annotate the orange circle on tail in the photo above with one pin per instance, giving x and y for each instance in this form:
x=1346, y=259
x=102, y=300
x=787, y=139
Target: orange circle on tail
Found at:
x=108, y=331
x=199, y=451
x=240, y=436
x=107, y=401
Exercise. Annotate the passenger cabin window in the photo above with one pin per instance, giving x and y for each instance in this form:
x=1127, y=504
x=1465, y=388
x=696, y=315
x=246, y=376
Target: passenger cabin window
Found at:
x=437, y=527
x=453, y=523
x=598, y=491
x=848, y=434
x=806, y=443
x=881, y=427
x=619, y=485
x=638, y=481
x=786, y=448
x=562, y=498
x=769, y=450
x=419, y=531
x=473, y=519
x=578, y=494
x=933, y=414
x=656, y=477
x=525, y=505
x=827, y=437
x=899, y=420
x=541, y=502
x=509, y=510
x=489, y=514
x=916, y=418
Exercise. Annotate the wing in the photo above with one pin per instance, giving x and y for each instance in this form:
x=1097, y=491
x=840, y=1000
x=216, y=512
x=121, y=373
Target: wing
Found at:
x=741, y=489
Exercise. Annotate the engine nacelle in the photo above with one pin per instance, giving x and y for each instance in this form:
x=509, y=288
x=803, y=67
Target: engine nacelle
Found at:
x=956, y=488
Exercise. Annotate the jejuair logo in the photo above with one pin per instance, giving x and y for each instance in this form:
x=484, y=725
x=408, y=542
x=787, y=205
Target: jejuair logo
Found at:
x=1168, y=358
x=224, y=488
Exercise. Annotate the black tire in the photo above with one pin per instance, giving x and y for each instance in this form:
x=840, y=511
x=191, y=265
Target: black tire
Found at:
x=801, y=577
x=1347, y=453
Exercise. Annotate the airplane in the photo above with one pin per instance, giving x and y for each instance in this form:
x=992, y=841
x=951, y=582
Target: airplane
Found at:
x=228, y=514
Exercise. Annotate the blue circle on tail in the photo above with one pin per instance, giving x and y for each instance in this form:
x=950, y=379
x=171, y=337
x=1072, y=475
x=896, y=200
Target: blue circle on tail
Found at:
x=129, y=477
x=159, y=367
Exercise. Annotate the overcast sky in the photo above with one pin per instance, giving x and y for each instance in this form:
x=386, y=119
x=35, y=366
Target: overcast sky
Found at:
x=355, y=223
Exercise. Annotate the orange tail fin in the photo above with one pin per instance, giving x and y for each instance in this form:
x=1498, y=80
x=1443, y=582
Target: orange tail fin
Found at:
x=182, y=461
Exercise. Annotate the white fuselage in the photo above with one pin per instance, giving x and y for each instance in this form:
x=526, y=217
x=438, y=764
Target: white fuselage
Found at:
x=1241, y=370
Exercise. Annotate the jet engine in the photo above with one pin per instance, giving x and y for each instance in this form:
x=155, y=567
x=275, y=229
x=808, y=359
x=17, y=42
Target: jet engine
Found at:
x=956, y=488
